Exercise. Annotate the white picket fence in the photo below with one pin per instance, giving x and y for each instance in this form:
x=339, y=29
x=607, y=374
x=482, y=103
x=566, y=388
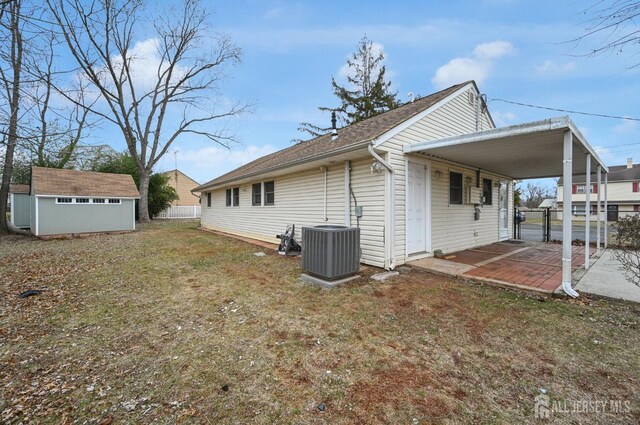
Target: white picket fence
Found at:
x=181, y=212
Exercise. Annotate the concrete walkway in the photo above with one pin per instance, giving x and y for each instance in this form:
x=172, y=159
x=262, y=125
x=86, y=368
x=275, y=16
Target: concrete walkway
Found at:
x=605, y=278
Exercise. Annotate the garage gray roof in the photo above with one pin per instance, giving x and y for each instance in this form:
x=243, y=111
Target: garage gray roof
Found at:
x=617, y=173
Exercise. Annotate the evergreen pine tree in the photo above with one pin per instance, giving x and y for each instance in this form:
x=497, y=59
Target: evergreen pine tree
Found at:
x=366, y=94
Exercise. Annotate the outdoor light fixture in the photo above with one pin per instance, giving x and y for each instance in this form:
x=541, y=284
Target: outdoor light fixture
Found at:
x=376, y=167
x=438, y=174
x=468, y=180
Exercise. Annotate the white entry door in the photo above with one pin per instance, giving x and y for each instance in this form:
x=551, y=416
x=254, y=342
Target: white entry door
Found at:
x=503, y=214
x=417, y=209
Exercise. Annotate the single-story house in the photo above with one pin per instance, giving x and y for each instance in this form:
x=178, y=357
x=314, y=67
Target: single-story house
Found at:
x=431, y=174
x=19, y=204
x=623, y=196
x=70, y=202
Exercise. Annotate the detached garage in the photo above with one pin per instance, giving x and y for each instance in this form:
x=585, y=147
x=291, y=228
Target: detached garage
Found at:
x=69, y=202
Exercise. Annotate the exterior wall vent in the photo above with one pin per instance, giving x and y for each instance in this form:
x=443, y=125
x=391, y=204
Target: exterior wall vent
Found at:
x=330, y=252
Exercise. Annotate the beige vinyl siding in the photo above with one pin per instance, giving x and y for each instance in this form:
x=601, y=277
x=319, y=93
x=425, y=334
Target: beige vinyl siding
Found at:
x=299, y=200
x=369, y=190
x=454, y=227
x=455, y=117
x=183, y=187
x=617, y=191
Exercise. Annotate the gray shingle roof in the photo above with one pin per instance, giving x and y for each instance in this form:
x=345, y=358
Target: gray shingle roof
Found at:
x=354, y=134
x=617, y=173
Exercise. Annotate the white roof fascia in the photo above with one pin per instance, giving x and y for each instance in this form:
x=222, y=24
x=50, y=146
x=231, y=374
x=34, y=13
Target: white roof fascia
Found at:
x=406, y=124
x=516, y=130
x=587, y=146
x=86, y=196
x=550, y=124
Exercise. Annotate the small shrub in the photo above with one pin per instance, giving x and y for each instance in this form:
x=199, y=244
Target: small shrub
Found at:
x=628, y=252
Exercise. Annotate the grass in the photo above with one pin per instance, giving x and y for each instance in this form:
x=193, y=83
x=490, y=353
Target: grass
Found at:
x=149, y=327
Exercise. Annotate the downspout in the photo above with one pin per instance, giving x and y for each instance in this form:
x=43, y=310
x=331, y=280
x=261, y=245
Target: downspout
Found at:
x=392, y=219
x=325, y=194
x=347, y=193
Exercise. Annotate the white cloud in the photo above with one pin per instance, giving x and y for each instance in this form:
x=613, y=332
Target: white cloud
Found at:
x=493, y=50
x=553, y=68
x=625, y=126
x=211, y=161
x=475, y=68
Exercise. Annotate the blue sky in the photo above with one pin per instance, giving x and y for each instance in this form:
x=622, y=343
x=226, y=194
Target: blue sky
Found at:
x=513, y=48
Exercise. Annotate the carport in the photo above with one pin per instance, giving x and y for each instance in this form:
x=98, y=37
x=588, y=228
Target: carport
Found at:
x=532, y=150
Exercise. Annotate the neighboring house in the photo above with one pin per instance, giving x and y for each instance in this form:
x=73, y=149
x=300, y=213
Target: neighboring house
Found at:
x=69, y=202
x=19, y=204
x=548, y=203
x=623, y=193
x=183, y=185
x=432, y=174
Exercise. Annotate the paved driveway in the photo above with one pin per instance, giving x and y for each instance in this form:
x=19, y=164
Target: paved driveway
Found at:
x=533, y=232
x=606, y=278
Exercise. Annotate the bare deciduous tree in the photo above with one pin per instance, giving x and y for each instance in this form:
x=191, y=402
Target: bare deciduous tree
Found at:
x=613, y=25
x=533, y=194
x=27, y=75
x=10, y=78
x=182, y=94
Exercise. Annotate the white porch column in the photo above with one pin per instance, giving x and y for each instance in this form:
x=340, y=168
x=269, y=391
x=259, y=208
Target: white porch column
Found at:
x=599, y=188
x=606, y=210
x=567, y=176
x=587, y=212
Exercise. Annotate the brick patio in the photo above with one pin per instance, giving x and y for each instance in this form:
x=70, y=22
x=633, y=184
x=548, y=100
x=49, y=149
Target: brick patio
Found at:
x=530, y=266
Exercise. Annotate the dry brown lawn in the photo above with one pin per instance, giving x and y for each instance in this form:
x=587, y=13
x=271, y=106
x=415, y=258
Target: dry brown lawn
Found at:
x=154, y=326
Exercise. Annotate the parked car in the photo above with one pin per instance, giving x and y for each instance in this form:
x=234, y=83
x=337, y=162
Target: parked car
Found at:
x=520, y=217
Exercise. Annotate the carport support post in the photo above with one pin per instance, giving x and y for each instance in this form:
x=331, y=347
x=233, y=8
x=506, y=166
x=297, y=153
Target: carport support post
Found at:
x=598, y=186
x=587, y=212
x=567, y=176
x=606, y=210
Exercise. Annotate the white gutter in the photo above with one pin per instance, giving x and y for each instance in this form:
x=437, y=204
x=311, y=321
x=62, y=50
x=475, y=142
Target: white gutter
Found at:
x=558, y=123
x=234, y=181
x=392, y=219
x=347, y=193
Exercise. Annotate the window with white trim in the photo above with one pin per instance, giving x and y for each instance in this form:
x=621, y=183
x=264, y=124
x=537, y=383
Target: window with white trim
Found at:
x=82, y=201
x=64, y=200
x=256, y=194
x=233, y=197
x=114, y=201
x=98, y=200
x=269, y=193
x=455, y=188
